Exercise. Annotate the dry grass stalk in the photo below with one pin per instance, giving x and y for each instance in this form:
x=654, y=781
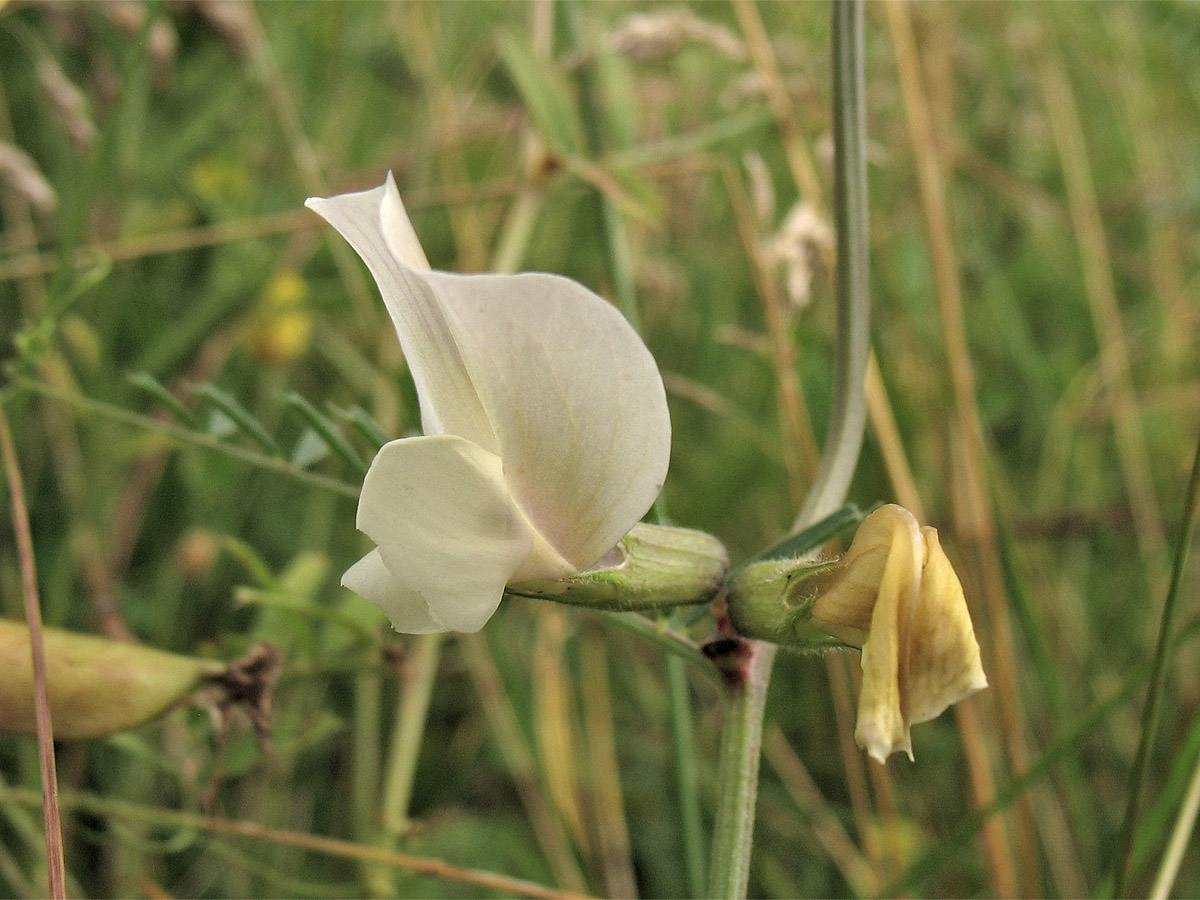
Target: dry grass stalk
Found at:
x=55, y=863
x=975, y=530
x=1096, y=261
x=20, y=173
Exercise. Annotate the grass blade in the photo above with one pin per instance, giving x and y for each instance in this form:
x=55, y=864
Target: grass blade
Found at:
x=1141, y=765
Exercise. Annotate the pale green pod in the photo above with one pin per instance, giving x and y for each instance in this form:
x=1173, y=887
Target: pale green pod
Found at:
x=653, y=567
x=96, y=686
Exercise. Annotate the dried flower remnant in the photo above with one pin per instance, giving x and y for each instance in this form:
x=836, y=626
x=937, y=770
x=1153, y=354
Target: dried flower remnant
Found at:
x=803, y=243
x=546, y=434
x=68, y=103
x=895, y=595
x=650, y=37
x=20, y=172
x=762, y=190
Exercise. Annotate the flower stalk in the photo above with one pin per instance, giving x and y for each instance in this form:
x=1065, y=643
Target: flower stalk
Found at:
x=741, y=738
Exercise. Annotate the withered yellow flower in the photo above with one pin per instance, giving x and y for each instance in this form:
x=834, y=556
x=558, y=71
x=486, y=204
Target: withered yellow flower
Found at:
x=895, y=595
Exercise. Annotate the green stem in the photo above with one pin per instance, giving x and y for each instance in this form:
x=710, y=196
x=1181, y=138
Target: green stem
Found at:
x=848, y=416
x=275, y=464
x=365, y=779
x=364, y=785
x=416, y=689
x=741, y=738
x=686, y=779
x=741, y=748
x=1141, y=765
x=517, y=230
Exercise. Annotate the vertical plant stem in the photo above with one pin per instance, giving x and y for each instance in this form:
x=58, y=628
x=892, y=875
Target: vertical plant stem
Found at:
x=416, y=689
x=517, y=229
x=1158, y=677
x=686, y=778
x=33, y=617
x=848, y=415
x=1180, y=836
x=364, y=785
x=608, y=806
x=741, y=738
x=741, y=749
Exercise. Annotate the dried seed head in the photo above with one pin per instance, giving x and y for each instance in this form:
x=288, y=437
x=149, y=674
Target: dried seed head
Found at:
x=68, y=103
x=655, y=36
x=801, y=245
x=20, y=172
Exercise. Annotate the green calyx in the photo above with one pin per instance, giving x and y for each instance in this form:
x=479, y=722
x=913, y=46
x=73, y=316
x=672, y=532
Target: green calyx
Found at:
x=772, y=601
x=653, y=567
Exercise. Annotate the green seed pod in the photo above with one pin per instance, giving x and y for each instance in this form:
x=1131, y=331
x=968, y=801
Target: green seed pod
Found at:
x=96, y=686
x=653, y=567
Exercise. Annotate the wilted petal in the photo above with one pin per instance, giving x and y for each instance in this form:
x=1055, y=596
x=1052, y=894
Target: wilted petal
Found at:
x=882, y=727
x=447, y=528
x=406, y=609
x=943, y=655
x=574, y=399
x=846, y=609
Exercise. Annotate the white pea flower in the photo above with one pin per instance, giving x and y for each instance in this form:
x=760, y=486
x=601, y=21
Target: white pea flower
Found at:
x=546, y=434
x=896, y=596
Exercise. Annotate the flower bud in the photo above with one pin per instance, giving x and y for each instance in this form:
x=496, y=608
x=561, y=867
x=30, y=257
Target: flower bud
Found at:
x=653, y=567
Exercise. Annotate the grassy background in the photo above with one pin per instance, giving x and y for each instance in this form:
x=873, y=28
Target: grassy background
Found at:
x=180, y=141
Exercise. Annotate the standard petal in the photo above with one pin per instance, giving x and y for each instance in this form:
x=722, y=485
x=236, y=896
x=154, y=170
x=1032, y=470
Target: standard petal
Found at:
x=943, y=655
x=376, y=226
x=882, y=729
x=575, y=401
x=448, y=531
x=408, y=612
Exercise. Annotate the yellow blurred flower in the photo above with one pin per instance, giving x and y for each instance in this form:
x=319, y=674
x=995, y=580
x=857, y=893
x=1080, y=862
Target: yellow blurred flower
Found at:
x=281, y=328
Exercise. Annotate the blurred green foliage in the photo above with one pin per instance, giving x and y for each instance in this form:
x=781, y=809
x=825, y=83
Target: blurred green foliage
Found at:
x=180, y=140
